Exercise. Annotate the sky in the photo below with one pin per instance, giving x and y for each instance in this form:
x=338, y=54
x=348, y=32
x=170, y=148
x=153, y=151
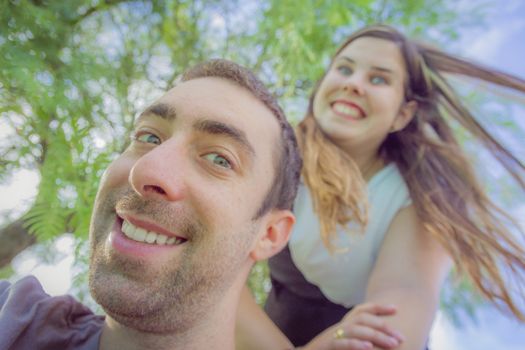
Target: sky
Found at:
x=501, y=44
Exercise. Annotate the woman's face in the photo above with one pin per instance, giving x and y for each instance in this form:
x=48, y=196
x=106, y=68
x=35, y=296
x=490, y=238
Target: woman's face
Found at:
x=361, y=98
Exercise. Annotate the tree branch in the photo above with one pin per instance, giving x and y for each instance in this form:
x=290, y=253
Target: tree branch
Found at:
x=93, y=9
x=14, y=238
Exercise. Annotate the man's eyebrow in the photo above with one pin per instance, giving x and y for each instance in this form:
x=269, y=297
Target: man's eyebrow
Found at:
x=219, y=128
x=381, y=69
x=161, y=110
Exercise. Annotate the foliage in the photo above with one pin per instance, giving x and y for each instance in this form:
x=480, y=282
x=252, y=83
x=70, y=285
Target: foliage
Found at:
x=73, y=74
x=460, y=298
x=6, y=272
x=259, y=282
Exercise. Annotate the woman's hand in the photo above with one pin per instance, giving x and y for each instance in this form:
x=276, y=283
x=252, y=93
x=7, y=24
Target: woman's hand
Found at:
x=360, y=329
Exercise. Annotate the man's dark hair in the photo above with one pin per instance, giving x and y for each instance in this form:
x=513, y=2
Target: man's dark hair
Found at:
x=288, y=167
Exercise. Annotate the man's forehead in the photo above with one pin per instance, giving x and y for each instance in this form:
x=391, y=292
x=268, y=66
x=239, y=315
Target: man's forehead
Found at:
x=208, y=95
x=220, y=107
x=159, y=109
x=209, y=98
x=204, y=86
x=205, y=125
x=214, y=99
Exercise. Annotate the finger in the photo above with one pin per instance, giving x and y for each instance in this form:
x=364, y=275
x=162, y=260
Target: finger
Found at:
x=372, y=335
x=351, y=344
x=378, y=323
x=377, y=309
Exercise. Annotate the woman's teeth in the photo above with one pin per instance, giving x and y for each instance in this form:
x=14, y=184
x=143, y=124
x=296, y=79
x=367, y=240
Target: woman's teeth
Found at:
x=140, y=235
x=345, y=109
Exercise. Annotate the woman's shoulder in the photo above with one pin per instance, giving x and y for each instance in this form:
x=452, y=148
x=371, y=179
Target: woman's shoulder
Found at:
x=387, y=188
x=389, y=174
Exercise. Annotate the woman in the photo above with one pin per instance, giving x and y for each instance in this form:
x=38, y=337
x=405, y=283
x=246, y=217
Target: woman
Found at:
x=377, y=131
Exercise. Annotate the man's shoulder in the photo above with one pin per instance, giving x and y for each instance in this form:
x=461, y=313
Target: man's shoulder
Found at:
x=29, y=314
x=26, y=283
x=26, y=288
x=27, y=293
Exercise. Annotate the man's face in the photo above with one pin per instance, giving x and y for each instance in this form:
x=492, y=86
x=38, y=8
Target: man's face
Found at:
x=173, y=223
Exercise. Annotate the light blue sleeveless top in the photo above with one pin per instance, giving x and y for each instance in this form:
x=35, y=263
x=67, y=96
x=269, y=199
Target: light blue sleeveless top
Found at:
x=343, y=277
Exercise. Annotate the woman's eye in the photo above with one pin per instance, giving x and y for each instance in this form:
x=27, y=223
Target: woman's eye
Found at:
x=344, y=70
x=148, y=137
x=377, y=80
x=219, y=160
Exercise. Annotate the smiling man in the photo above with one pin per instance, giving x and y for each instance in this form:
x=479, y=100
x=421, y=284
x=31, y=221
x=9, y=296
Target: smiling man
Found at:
x=204, y=190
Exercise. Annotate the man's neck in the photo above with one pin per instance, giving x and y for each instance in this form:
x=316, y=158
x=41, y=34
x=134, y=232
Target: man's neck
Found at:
x=212, y=333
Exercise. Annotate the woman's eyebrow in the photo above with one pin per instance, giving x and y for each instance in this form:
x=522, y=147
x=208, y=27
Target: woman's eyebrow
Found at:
x=378, y=68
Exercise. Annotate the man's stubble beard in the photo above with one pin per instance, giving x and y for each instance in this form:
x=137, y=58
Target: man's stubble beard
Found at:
x=173, y=297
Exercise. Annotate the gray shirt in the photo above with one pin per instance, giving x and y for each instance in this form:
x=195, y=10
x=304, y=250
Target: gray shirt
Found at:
x=30, y=319
x=343, y=276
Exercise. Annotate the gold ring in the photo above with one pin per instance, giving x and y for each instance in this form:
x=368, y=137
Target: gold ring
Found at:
x=339, y=333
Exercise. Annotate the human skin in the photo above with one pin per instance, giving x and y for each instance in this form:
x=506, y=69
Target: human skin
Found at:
x=359, y=102
x=361, y=98
x=197, y=170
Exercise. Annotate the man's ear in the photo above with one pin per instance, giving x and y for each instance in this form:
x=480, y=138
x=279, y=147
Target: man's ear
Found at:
x=277, y=230
x=405, y=115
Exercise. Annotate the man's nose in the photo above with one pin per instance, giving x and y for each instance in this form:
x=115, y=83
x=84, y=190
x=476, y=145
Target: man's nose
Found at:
x=160, y=172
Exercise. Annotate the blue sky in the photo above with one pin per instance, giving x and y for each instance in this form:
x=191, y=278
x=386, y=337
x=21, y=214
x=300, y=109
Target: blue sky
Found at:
x=500, y=45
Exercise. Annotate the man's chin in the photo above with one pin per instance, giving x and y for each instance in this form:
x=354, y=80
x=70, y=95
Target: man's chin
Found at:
x=121, y=297
x=142, y=308
x=152, y=324
x=119, y=286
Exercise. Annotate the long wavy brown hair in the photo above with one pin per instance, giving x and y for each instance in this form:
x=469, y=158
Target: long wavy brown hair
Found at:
x=449, y=200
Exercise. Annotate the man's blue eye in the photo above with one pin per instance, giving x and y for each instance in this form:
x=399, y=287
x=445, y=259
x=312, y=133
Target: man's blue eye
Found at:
x=377, y=80
x=219, y=160
x=344, y=70
x=148, y=137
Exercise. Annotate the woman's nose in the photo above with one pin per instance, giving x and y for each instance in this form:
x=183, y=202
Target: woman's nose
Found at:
x=355, y=84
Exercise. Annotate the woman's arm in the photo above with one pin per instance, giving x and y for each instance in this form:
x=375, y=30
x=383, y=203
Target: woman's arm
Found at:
x=254, y=329
x=409, y=272
x=361, y=328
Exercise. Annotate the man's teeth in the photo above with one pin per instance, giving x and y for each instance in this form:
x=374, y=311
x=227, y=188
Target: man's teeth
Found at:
x=140, y=235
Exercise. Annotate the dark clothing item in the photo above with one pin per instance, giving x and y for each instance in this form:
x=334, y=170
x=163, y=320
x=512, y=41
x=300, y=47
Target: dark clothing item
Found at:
x=30, y=319
x=296, y=306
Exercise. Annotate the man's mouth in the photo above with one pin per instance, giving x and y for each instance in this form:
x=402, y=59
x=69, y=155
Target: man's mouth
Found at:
x=141, y=235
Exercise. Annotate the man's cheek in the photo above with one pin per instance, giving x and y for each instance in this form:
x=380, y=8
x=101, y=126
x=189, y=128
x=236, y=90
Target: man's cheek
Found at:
x=117, y=173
